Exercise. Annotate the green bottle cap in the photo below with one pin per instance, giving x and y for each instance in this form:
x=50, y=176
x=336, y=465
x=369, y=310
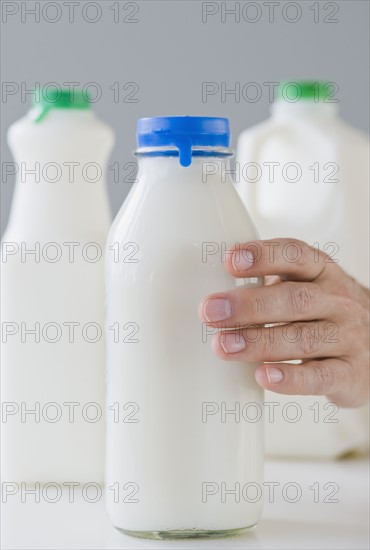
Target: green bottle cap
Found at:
x=54, y=98
x=305, y=90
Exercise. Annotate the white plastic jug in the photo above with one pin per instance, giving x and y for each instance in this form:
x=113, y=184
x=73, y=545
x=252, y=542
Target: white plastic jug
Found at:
x=52, y=295
x=181, y=461
x=304, y=173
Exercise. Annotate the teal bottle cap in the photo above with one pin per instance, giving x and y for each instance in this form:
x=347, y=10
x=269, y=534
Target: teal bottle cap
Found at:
x=54, y=98
x=305, y=90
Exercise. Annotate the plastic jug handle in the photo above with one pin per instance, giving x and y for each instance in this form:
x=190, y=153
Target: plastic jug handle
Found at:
x=314, y=134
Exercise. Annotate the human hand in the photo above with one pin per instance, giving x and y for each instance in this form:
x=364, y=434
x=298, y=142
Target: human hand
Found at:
x=320, y=316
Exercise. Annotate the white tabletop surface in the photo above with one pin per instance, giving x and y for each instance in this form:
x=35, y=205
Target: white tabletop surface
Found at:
x=305, y=524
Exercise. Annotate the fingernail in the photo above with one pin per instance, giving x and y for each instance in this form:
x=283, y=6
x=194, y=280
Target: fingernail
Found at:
x=232, y=342
x=217, y=310
x=274, y=375
x=242, y=259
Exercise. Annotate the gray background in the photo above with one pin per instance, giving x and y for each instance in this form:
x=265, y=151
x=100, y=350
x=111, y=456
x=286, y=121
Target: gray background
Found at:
x=170, y=52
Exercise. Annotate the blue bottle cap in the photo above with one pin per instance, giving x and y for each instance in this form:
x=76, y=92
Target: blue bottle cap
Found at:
x=183, y=132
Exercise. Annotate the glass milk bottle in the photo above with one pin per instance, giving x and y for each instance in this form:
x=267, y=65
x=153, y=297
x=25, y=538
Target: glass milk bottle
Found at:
x=52, y=294
x=184, y=449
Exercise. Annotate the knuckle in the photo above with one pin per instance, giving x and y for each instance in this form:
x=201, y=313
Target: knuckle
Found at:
x=347, y=370
x=302, y=297
x=355, y=331
x=351, y=335
x=352, y=309
x=263, y=344
x=258, y=305
x=323, y=378
x=307, y=341
x=267, y=344
x=363, y=336
x=298, y=378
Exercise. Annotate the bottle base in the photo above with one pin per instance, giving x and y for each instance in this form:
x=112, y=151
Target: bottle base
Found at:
x=187, y=533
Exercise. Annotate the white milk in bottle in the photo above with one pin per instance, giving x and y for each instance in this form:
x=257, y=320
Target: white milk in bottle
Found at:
x=184, y=428
x=52, y=294
x=304, y=173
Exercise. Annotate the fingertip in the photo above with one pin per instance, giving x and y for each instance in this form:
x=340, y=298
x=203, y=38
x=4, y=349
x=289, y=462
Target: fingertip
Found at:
x=201, y=311
x=215, y=344
x=268, y=376
x=221, y=350
x=260, y=376
x=239, y=260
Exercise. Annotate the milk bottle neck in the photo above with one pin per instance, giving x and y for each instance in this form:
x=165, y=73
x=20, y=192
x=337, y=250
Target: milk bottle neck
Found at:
x=204, y=169
x=282, y=110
